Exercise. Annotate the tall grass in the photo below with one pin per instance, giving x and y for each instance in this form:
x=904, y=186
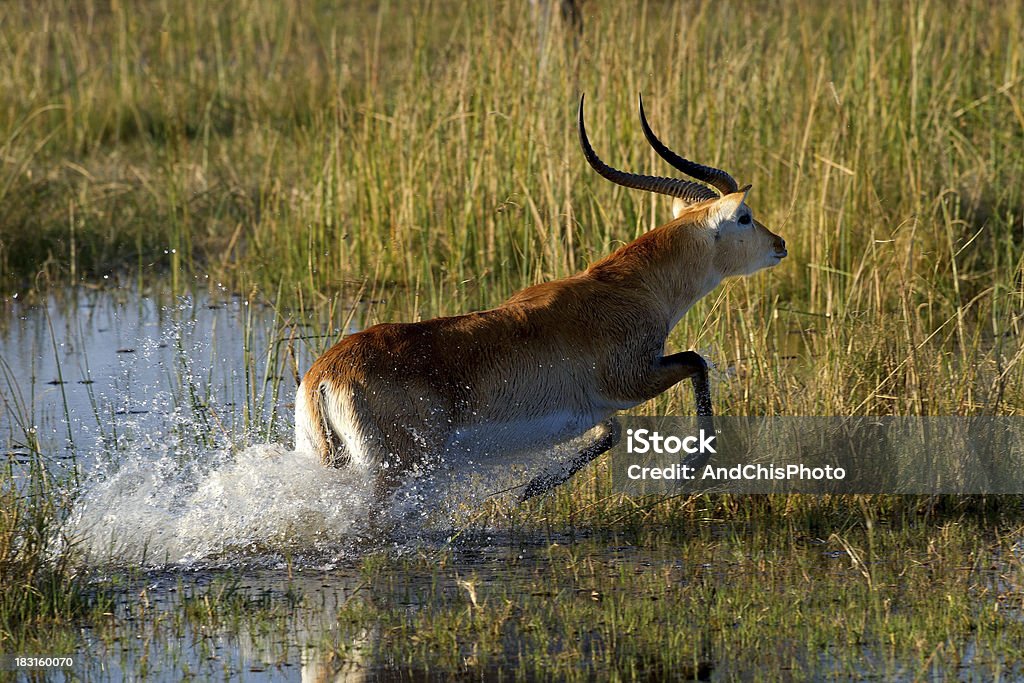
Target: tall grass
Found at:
x=423, y=156
x=42, y=590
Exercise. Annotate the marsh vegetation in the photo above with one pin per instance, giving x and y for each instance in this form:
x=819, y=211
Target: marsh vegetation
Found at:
x=335, y=166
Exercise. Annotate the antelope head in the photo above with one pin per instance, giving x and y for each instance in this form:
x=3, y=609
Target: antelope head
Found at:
x=741, y=244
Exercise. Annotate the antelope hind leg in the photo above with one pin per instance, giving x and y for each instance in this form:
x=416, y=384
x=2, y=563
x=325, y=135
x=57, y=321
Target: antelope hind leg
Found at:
x=403, y=448
x=544, y=482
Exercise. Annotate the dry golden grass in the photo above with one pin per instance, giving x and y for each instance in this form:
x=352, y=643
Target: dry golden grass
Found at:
x=422, y=156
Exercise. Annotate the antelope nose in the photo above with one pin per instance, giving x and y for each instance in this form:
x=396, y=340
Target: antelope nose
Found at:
x=780, y=246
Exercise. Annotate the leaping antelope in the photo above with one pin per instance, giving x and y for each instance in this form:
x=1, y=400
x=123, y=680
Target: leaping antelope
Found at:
x=549, y=364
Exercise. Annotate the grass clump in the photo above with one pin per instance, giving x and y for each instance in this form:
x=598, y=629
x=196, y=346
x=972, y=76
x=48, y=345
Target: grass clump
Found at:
x=43, y=592
x=893, y=590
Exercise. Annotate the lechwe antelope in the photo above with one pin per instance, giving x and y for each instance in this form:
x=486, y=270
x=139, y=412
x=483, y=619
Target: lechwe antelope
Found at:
x=549, y=364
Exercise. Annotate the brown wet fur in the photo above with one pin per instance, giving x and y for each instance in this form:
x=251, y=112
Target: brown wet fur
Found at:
x=593, y=339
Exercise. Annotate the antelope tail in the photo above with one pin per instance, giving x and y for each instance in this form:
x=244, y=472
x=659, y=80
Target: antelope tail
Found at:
x=312, y=433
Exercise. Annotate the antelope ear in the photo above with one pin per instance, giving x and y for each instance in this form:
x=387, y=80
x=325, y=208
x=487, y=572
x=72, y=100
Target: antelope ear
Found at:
x=726, y=208
x=678, y=206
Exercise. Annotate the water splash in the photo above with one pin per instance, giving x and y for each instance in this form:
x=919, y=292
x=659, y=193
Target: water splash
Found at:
x=264, y=500
x=164, y=403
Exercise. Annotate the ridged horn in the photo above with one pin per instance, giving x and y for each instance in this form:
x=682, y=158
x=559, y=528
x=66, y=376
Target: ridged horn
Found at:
x=715, y=177
x=683, y=189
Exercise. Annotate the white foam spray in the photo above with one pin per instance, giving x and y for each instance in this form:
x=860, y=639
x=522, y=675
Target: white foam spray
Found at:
x=263, y=500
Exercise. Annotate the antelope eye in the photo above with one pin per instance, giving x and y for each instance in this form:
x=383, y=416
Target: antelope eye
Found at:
x=745, y=219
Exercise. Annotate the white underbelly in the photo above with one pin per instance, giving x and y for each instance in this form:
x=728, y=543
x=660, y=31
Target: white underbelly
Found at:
x=511, y=436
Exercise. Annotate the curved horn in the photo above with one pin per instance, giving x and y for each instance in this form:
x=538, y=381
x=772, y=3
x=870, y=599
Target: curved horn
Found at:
x=683, y=189
x=715, y=177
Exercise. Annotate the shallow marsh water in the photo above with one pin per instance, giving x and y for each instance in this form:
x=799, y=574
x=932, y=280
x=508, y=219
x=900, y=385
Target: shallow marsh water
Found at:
x=219, y=552
x=170, y=418
x=164, y=409
x=95, y=368
x=175, y=415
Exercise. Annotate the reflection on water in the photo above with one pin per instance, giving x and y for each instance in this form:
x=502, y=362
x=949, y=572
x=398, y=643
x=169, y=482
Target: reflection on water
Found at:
x=91, y=370
x=268, y=625
x=307, y=622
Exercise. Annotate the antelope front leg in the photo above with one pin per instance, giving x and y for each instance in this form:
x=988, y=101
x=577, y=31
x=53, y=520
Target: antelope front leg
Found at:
x=542, y=483
x=699, y=379
x=669, y=371
x=705, y=415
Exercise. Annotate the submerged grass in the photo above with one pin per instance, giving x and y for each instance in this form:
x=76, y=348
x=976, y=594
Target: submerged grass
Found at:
x=888, y=588
x=729, y=598
x=43, y=590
